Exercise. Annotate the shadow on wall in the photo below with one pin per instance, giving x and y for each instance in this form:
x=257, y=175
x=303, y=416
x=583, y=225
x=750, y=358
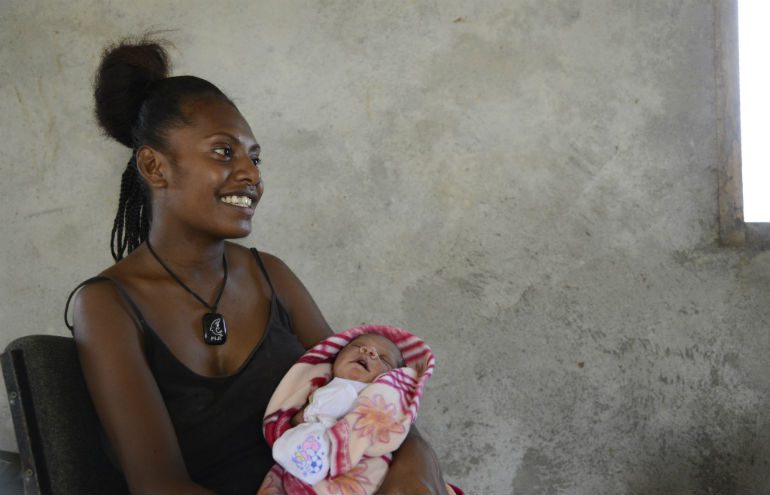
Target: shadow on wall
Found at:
x=733, y=461
x=702, y=463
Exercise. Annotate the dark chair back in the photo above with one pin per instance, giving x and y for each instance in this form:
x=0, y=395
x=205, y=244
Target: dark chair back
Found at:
x=56, y=426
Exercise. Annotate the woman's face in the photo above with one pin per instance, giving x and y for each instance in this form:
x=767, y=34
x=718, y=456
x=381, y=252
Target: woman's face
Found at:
x=365, y=358
x=214, y=182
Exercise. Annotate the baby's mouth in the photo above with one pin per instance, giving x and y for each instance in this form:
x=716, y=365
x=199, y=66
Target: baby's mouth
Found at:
x=363, y=362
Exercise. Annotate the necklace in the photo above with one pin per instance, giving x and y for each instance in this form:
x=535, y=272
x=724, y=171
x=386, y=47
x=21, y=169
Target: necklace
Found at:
x=214, y=328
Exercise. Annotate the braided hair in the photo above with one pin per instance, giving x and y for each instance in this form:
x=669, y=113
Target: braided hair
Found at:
x=136, y=104
x=132, y=222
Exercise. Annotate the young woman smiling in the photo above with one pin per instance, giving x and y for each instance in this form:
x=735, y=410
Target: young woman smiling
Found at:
x=183, y=340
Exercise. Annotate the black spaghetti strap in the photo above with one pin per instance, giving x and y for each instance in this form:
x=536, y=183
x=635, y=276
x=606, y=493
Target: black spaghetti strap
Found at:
x=69, y=299
x=122, y=291
x=262, y=267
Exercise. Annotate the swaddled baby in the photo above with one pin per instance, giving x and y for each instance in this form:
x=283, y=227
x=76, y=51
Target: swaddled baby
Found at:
x=364, y=387
x=304, y=450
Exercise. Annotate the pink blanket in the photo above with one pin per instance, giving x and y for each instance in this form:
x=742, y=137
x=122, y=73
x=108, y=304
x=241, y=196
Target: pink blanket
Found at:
x=362, y=442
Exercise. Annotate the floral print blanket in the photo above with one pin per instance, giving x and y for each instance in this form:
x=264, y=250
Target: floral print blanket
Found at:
x=362, y=442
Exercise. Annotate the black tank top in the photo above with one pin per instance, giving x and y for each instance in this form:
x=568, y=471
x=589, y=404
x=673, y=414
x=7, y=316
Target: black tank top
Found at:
x=218, y=420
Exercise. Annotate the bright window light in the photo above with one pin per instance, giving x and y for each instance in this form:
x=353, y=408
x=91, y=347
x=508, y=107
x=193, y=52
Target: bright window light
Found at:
x=753, y=46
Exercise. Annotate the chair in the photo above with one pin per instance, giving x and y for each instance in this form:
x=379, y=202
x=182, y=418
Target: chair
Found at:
x=57, y=429
x=10, y=475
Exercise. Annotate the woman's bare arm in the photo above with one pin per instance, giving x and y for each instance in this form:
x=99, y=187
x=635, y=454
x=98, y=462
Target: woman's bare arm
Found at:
x=415, y=469
x=125, y=394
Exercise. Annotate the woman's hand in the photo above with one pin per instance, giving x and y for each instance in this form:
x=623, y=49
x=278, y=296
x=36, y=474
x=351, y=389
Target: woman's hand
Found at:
x=415, y=469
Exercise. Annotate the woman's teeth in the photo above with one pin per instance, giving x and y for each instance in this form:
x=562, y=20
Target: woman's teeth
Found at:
x=241, y=201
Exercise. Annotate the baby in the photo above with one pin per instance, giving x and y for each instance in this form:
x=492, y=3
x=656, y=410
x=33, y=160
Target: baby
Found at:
x=303, y=450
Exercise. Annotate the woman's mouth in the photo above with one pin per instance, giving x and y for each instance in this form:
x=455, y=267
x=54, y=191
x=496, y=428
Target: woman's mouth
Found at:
x=240, y=201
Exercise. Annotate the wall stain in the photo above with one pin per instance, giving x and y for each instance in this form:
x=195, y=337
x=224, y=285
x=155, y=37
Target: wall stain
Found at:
x=45, y=212
x=539, y=475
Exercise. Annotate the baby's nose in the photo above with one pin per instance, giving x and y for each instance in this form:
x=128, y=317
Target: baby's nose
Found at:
x=369, y=351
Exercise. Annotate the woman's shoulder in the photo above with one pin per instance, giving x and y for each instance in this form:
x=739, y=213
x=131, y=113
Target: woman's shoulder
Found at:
x=101, y=313
x=275, y=267
x=124, y=270
x=101, y=289
x=104, y=296
x=135, y=270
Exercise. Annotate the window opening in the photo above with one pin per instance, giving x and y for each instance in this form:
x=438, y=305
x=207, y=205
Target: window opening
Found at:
x=754, y=86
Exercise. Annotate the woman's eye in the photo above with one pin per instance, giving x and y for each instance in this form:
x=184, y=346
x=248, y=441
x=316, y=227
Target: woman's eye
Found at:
x=257, y=161
x=224, y=151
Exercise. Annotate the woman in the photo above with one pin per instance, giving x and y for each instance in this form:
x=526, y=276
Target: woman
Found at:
x=184, y=339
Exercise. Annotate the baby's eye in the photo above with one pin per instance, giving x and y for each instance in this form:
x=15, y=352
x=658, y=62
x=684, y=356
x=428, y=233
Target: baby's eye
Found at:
x=224, y=151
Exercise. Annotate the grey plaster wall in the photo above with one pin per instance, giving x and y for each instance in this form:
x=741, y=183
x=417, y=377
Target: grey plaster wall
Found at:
x=530, y=185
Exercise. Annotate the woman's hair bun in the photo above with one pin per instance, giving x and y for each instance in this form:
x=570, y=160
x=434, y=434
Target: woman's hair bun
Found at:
x=125, y=74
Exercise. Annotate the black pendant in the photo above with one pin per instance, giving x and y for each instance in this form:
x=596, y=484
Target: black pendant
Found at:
x=214, y=329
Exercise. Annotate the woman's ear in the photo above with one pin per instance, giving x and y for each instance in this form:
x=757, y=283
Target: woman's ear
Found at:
x=152, y=165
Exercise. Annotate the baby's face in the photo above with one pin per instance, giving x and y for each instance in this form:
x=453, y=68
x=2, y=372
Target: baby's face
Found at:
x=366, y=357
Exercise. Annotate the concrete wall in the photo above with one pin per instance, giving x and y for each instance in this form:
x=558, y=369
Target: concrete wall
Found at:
x=530, y=185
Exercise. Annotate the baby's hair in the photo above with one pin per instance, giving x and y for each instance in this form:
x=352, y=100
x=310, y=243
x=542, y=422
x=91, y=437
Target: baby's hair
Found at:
x=136, y=104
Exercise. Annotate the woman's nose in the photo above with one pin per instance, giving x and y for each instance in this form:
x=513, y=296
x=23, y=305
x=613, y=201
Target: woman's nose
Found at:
x=248, y=171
